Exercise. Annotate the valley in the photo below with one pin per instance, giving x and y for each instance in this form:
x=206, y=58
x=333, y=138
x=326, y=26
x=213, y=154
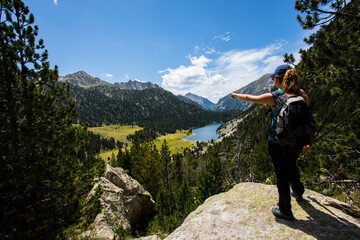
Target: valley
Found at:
x=120, y=133
x=99, y=102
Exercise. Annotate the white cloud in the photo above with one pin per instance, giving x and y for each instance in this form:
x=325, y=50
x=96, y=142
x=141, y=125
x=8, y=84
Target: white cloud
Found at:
x=228, y=72
x=183, y=77
x=209, y=50
x=202, y=61
x=108, y=75
x=225, y=37
x=56, y=2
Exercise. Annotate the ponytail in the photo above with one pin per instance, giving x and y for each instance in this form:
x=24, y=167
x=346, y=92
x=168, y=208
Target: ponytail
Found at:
x=290, y=82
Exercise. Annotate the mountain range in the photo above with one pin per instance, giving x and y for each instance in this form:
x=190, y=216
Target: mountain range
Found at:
x=99, y=102
x=260, y=86
x=149, y=105
x=84, y=80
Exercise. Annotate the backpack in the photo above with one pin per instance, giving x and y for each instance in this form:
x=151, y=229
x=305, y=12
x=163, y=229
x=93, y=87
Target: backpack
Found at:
x=293, y=124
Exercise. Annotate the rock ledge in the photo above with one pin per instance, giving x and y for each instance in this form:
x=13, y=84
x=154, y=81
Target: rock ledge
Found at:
x=244, y=212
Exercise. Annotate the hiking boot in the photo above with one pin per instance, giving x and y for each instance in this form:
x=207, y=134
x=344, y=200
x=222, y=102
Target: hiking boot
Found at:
x=298, y=198
x=277, y=213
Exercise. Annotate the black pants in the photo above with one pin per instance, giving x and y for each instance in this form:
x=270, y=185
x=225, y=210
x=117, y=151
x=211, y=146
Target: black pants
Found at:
x=287, y=173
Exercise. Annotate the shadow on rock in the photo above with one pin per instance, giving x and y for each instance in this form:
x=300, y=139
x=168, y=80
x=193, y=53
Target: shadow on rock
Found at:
x=323, y=222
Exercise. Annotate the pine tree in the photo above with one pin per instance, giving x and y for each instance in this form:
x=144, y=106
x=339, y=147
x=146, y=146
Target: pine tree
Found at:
x=165, y=163
x=176, y=169
x=38, y=143
x=150, y=173
x=184, y=200
x=211, y=176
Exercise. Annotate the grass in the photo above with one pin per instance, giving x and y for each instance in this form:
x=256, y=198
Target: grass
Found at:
x=108, y=154
x=174, y=141
x=119, y=133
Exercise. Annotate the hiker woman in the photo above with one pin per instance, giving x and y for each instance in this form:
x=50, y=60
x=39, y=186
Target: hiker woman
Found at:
x=283, y=157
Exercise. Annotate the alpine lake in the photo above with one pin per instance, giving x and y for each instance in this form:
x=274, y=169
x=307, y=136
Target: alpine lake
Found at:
x=204, y=134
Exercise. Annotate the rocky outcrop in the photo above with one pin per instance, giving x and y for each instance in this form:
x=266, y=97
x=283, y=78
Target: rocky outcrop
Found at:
x=244, y=212
x=123, y=202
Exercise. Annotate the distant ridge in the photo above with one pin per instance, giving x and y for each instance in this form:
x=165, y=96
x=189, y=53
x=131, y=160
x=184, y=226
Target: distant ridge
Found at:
x=135, y=85
x=187, y=100
x=260, y=86
x=204, y=102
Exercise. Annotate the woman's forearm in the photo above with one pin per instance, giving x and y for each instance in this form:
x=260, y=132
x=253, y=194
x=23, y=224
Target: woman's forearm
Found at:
x=244, y=97
x=260, y=99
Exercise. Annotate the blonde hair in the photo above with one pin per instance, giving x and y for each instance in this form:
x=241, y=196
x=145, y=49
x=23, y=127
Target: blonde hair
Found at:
x=290, y=82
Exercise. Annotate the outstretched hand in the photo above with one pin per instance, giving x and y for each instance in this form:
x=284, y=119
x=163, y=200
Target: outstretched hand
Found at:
x=233, y=95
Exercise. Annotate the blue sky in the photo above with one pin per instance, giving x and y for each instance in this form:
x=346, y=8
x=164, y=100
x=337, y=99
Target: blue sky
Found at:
x=207, y=47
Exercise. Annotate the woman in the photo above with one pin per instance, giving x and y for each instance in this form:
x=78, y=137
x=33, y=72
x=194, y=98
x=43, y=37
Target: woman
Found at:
x=283, y=157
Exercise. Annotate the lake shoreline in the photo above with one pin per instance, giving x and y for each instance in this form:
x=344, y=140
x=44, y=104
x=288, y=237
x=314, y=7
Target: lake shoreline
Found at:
x=204, y=134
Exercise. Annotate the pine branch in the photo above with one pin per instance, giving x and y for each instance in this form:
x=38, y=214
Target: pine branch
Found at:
x=337, y=13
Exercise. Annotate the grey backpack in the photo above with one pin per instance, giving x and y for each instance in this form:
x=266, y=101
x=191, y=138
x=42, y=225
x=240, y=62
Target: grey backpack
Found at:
x=293, y=124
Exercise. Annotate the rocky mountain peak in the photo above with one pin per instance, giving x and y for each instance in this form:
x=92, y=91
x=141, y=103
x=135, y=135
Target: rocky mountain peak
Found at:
x=82, y=79
x=204, y=102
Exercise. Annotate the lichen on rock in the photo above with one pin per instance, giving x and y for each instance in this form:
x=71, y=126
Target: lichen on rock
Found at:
x=244, y=212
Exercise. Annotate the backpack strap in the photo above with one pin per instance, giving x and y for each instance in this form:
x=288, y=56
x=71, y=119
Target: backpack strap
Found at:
x=279, y=98
x=275, y=95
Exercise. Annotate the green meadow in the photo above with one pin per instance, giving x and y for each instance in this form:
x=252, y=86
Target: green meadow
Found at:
x=174, y=141
x=119, y=133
